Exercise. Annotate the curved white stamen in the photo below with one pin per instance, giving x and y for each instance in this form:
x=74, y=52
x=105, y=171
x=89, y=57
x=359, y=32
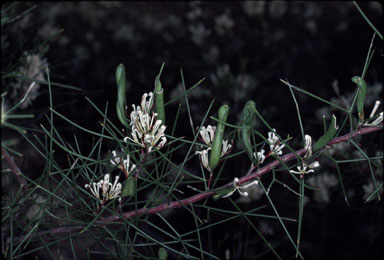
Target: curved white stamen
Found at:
x=109, y=191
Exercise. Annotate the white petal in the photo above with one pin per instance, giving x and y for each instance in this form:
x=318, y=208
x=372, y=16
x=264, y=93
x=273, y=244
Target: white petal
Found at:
x=105, y=185
x=337, y=127
x=250, y=184
x=314, y=164
x=377, y=104
x=377, y=120
x=245, y=194
x=308, y=142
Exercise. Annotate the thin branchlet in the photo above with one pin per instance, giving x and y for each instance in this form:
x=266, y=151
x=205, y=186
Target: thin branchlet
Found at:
x=253, y=175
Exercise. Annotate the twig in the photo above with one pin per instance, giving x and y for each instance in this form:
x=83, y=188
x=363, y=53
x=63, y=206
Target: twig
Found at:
x=176, y=204
x=253, y=175
x=12, y=165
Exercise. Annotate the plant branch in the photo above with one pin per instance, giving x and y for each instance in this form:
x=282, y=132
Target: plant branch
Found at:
x=12, y=165
x=253, y=175
x=176, y=204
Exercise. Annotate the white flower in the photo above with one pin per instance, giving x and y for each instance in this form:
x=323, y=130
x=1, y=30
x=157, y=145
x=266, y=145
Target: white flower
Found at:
x=109, y=191
x=208, y=134
x=145, y=107
x=377, y=104
x=304, y=169
x=115, y=160
x=308, y=146
x=379, y=119
x=226, y=148
x=260, y=157
x=128, y=166
x=238, y=188
x=272, y=138
x=134, y=114
x=204, y=158
x=274, y=143
x=204, y=154
x=148, y=132
x=95, y=188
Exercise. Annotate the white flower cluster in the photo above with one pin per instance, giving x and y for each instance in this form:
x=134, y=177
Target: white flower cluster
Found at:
x=147, y=131
x=109, y=191
x=208, y=134
x=274, y=143
x=275, y=147
x=125, y=165
x=306, y=168
x=259, y=156
x=238, y=188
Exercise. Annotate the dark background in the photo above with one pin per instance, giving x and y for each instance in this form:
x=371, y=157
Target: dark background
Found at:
x=242, y=49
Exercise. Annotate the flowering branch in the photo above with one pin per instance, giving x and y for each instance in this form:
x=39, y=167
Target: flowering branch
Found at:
x=257, y=173
x=184, y=202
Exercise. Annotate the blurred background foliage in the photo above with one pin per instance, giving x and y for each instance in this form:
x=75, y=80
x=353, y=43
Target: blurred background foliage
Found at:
x=242, y=49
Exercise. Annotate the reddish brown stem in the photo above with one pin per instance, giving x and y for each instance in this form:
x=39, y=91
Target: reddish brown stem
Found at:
x=252, y=176
x=209, y=181
x=12, y=165
x=184, y=202
x=123, y=169
x=100, y=207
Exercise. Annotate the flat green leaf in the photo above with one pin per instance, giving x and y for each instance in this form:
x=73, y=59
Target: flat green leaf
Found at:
x=121, y=86
x=129, y=188
x=163, y=254
x=327, y=137
x=362, y=92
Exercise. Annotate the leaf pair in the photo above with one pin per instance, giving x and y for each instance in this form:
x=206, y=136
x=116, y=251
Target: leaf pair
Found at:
x=121, y=88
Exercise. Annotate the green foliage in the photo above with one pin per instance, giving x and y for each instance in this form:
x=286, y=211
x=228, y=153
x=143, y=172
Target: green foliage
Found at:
x=247, y=119
x=327, y=137
x=163, y=254
x=361, y=95
x=159, y=98
x=129, y=188
x=121, y=86
x=163, y=208
x=215, y=154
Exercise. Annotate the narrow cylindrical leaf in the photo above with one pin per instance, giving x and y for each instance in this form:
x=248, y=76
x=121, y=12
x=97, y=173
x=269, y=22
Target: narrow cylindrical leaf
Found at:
x=362, y=92
x=159, y=99
x=121, y=86
x=327, y=137
x=214, y=156
x=247, y=121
